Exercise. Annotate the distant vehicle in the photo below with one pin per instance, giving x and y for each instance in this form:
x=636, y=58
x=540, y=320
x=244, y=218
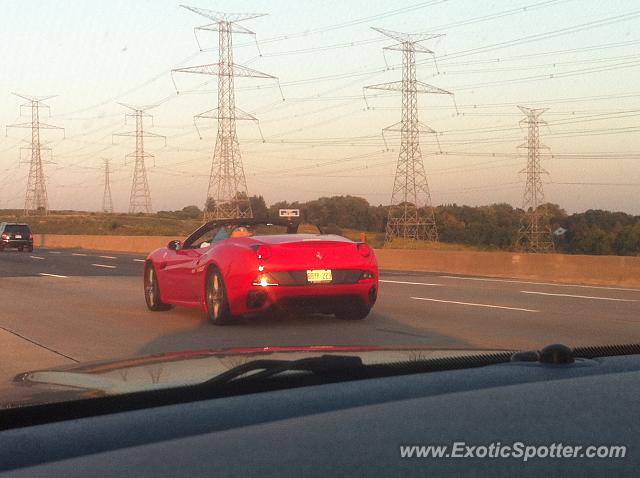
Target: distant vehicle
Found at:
x=236, y=267
x=14, y=235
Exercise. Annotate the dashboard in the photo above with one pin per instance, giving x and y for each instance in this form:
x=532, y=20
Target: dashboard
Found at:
x=356, y=428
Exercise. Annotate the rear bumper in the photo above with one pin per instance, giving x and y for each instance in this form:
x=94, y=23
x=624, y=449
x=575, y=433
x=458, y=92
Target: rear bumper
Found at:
x=318, y=298
x=15, y=243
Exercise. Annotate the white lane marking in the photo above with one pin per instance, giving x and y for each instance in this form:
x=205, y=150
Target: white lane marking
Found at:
x=475, y=305
x=104, y=265
x=107, y=257
x=410, y=283
x=78, y=254
x=37, y=257
x=53, y=275
x=579, y=296
x=55, y=252
x=541, y=283
x=138, y=260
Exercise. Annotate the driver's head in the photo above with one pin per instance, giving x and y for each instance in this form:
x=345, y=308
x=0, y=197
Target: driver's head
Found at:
x=241, y=231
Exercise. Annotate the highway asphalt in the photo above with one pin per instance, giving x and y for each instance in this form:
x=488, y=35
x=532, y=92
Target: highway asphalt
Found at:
x=65, y=306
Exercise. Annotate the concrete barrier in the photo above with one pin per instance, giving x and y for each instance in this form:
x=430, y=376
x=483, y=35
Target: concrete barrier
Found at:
x=576, y=269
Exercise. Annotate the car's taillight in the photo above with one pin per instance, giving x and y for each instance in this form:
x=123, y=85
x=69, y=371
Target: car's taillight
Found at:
x=30, y=237
x=265, y=280
x=364, y=249
x=367, y=276
x=263, y=252
x=5, y=236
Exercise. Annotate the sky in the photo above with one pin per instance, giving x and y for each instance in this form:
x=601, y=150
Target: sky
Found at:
x=322, y=132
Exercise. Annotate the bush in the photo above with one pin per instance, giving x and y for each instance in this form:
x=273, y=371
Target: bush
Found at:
x=331, y=229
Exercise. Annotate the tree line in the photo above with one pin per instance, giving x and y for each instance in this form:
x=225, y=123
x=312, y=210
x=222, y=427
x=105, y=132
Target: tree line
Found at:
x=495, y=226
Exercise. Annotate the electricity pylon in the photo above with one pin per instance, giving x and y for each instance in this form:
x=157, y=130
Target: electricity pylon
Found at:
x=227, y=195
x=535, y=232
x=107, y=202
x=36, y=199
x=140, y=198
x=411, y=215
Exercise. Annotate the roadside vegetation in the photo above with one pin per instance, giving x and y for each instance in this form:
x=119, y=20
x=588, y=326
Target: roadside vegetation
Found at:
x=70, y=222
x=493, y=227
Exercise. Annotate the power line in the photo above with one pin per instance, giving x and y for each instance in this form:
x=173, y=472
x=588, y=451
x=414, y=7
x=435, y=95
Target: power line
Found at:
x=552, y=76
x=546, y=35
x=129, y=91
x=594, y=184
x=523, y=9
x=353, y=22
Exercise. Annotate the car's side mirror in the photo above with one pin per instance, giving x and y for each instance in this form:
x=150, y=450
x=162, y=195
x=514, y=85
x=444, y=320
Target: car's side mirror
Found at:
x=174, y=245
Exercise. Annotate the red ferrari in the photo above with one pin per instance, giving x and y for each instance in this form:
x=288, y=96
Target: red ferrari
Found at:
x=230, y=268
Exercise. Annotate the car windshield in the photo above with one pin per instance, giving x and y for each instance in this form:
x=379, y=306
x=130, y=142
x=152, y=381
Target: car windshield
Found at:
x=442, y=175
x=219, y=230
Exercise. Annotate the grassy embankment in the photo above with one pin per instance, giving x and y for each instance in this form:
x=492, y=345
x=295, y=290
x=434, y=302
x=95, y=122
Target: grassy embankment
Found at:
x=73, y=223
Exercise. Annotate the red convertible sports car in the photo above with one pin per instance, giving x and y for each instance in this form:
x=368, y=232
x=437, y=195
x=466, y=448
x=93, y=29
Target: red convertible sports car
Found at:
x=236, y=267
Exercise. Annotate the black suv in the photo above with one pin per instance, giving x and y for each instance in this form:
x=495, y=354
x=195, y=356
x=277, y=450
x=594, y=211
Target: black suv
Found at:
x=16, y=235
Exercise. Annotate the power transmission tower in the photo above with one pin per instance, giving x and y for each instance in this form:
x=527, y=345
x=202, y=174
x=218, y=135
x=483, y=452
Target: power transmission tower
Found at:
x=411, y=215
x=227, y=195
x=36, y=199
x=107, y=202
x=535, y=232
x=140, y=198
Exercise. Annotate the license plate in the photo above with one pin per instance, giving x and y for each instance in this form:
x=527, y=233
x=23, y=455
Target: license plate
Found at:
x=319, y=275
x=18, y=236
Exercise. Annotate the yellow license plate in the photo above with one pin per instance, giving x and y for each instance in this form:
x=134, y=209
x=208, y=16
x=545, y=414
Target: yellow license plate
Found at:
x=319, y=275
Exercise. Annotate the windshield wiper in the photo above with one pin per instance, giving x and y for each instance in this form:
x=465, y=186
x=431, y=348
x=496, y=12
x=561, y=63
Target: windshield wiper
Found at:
x=352, y=367
x=343, y=367
x=325, y=365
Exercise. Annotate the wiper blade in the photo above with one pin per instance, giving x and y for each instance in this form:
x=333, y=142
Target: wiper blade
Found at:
x=325, y=365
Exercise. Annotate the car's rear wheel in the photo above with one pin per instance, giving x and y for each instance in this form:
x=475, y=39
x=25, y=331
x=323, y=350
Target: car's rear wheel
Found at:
x=152, y=290
x=30, y=249
x=216, y=298
x=352, y=312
